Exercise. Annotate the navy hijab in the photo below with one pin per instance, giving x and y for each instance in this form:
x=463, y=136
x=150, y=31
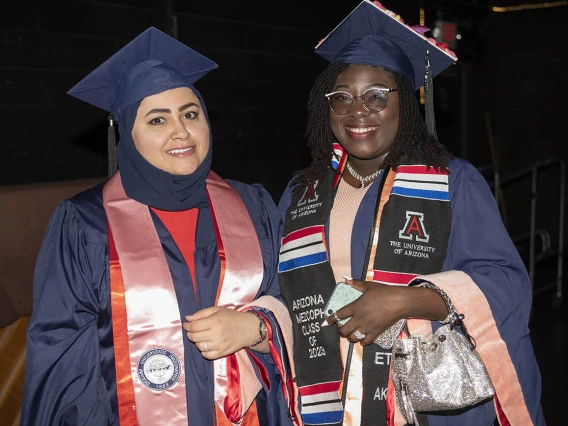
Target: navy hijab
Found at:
x=142, y=181
x=150, y=64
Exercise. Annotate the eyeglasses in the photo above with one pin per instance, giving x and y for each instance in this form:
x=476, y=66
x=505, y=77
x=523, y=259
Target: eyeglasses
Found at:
x=373, y=100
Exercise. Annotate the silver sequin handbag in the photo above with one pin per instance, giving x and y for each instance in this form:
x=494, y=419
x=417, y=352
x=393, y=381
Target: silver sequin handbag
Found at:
x=442, y=373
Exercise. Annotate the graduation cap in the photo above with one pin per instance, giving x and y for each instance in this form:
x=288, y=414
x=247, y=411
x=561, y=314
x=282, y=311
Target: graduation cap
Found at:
x=150, y=64
x=374, y=35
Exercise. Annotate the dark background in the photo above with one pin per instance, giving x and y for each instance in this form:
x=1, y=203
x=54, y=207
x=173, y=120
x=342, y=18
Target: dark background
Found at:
x=502, y=106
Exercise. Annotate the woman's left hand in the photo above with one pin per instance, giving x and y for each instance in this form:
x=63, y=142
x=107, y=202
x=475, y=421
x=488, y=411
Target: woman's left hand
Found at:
x=218, y=332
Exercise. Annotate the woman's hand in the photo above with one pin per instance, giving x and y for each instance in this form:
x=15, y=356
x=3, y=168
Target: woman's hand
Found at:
x=218, y=332
x=381, y=305
x=373, y=312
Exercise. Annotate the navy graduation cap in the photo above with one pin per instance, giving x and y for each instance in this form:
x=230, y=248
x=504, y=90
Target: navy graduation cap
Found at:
x=151, y=63
x=373, y=35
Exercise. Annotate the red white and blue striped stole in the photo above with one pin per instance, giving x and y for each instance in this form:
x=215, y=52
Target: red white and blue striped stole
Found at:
x=413, y=215
x=419, y=181
x=412, y=229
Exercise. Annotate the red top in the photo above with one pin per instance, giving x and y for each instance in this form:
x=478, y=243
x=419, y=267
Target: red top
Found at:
x=182, y=225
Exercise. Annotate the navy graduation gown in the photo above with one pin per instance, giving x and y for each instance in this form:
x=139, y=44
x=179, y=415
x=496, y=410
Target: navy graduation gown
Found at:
x=480, y=246
x=70, y=372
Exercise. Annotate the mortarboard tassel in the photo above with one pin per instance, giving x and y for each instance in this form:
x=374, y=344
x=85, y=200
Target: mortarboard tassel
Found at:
x=429, y=98
x=111, y=149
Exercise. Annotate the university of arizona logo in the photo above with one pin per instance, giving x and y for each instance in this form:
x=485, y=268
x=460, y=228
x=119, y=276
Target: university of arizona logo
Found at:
x=310, y=194
x=414, y=228
x=158, y=369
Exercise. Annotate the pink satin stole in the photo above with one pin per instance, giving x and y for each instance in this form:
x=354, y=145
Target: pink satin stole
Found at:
x=470, y=300
x=155, y=334
x=241, y=275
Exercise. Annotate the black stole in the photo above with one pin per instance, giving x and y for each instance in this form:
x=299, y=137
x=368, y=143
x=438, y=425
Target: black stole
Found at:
x=415, y=223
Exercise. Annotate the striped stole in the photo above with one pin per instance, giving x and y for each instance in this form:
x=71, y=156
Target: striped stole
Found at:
x=413, y=215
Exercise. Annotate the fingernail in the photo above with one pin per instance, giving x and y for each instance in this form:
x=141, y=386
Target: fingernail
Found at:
x=324, y=323
x=348, y=278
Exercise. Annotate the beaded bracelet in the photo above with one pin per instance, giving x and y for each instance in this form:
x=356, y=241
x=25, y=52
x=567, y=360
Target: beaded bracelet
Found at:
x=262, y=330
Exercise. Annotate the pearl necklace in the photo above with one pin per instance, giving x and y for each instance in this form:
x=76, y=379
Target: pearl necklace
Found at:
x=360, y=178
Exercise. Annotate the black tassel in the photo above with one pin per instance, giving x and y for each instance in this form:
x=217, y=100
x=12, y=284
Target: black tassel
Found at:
x=429, y=98
x=111, y=149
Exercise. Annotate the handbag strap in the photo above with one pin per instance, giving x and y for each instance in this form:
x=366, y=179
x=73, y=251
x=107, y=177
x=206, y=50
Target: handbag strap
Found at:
x=454, y=318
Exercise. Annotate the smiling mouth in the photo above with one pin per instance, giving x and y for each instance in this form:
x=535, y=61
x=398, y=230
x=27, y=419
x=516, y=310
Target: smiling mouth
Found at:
x=361, y=129
x=179, y=151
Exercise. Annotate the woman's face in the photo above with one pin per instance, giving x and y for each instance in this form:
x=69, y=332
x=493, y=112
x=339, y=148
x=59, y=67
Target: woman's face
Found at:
x=171, y=131
x=366, y=135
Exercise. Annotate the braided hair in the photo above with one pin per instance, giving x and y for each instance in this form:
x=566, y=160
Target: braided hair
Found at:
x=412, y=138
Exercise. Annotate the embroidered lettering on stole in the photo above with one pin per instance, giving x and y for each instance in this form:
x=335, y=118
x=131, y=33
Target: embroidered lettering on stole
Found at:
x=414, y=215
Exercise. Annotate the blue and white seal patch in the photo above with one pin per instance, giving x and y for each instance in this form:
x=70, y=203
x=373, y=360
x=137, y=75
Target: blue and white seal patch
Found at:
x=158, y=369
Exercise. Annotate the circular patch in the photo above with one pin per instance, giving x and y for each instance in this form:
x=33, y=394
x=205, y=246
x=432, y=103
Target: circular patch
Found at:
x=158, y=369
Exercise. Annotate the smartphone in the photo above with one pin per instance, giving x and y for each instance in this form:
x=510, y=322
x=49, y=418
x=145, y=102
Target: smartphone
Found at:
x=343, y=294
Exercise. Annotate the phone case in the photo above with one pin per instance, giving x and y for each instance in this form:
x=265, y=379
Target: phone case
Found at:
x=343, y=294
